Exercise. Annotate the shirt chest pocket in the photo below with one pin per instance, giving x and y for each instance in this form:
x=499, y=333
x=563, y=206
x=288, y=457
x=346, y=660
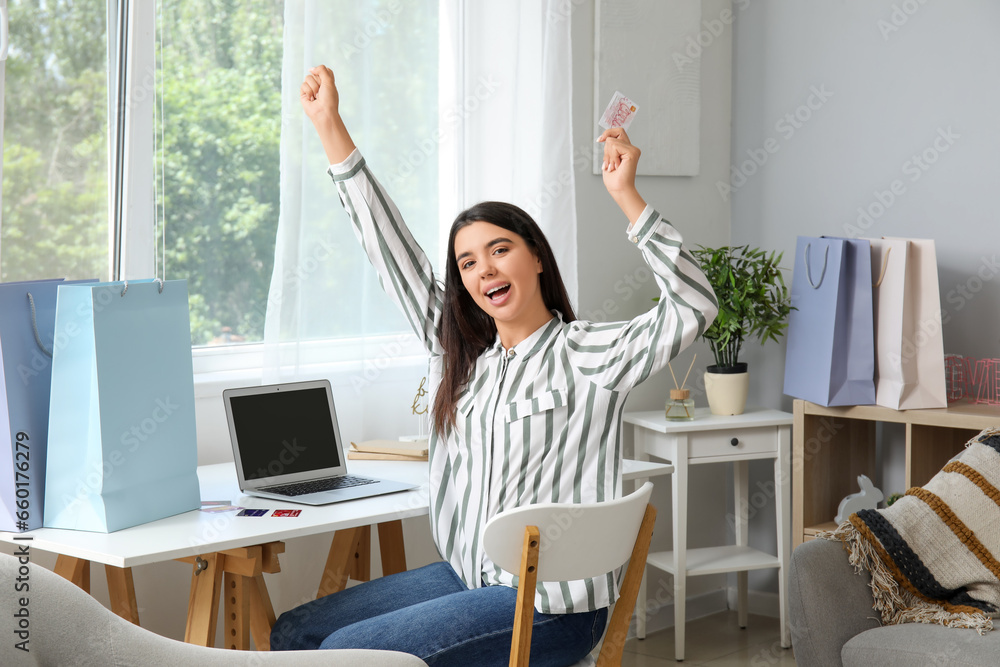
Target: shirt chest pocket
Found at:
x=543, y=402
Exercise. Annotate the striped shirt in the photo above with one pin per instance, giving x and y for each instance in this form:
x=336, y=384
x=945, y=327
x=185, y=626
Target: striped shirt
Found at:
x=542, y=421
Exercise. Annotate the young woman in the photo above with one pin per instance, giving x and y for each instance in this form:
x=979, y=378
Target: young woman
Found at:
x=527, y=408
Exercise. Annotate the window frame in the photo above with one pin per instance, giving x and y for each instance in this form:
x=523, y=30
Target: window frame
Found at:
x=131, y=103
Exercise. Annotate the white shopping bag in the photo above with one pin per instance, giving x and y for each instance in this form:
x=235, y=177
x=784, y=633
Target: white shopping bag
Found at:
x=909, y=345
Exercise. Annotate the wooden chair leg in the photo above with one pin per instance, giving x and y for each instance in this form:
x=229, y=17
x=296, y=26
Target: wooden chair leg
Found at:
x=614, y=638
x=520, y=647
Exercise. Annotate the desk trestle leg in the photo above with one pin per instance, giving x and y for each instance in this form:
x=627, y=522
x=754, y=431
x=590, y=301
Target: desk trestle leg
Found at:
x=247, y=605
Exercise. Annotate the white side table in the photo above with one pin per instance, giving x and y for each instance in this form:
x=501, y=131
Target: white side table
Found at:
x=756, y=434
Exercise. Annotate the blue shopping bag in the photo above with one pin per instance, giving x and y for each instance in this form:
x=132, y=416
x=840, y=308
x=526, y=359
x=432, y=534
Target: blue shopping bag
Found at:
x=830, y=347
x=122, y=440
x=27, y=319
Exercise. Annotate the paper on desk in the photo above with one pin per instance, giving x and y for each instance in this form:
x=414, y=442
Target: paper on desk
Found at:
x=409, y=449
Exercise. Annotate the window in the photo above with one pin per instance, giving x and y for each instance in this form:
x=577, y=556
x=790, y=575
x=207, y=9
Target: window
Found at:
x=212, y=166
x=219, y=124
x=54, y=219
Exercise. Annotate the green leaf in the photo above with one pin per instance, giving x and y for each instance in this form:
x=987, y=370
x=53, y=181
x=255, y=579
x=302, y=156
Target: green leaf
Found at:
x=754, y=301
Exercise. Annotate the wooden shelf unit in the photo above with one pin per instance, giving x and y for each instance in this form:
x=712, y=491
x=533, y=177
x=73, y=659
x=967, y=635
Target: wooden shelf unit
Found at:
x=832, y=446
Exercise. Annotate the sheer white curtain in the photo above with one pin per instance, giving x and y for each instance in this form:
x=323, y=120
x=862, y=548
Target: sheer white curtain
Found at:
x=327, y=316
x=451, y=103
x=514, y=96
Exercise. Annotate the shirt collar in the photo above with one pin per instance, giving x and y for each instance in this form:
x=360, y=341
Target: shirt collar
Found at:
x=533, y=342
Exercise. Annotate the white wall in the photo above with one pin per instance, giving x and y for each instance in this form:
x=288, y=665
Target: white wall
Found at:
x=903, y=80
x=607, y=262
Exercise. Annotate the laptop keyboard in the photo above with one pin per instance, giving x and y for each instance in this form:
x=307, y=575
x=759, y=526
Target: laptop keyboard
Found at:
x=315, y=486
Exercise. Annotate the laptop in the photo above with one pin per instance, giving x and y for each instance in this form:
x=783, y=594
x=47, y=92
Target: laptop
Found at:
x=287, y=445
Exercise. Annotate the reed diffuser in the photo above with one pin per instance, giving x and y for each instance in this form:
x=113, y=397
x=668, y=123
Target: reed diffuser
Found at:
x=680, y=407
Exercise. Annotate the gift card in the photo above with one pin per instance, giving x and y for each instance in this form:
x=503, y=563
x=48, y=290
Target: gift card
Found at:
x=620, y=112
x=253, y=513
x=286, y=512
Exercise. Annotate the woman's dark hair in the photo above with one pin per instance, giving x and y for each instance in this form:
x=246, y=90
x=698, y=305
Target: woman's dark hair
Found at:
x=466, y=330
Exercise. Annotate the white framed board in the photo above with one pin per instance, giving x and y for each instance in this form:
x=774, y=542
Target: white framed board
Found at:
x=651, y=52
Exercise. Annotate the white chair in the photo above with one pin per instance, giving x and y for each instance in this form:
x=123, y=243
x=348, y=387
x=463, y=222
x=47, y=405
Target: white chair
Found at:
x=577, y=542
x=66, y=626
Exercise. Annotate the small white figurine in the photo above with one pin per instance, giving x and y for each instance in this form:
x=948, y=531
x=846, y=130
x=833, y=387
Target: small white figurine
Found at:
x=867, y=499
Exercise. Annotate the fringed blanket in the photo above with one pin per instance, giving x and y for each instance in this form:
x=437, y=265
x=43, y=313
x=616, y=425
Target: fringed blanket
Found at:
x=933, y=555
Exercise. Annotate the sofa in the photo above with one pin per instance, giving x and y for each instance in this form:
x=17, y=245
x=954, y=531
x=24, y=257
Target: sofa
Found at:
x=833, y=621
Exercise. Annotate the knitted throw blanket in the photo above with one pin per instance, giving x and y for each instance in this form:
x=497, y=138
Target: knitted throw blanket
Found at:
x=933, y=555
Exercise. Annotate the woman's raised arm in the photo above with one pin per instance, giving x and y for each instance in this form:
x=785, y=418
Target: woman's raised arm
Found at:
x=321, y=102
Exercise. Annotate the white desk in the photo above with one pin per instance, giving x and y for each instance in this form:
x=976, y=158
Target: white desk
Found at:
x=224, y=548
x=756, y=434
x=239, y=549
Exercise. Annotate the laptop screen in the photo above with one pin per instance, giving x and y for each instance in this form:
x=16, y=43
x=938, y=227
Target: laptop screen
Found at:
x=284, y=432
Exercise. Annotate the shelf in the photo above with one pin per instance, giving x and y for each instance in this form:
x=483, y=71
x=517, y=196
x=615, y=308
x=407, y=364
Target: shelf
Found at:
x=819, y=528
x=716, y=560
x=961, y=415
x=832, y=446
x=632, y=469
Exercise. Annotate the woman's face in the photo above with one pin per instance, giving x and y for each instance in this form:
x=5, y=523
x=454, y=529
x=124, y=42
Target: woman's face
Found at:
x=500, y=271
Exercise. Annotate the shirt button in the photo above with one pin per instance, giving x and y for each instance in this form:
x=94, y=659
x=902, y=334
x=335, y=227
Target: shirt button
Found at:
x=633, y=239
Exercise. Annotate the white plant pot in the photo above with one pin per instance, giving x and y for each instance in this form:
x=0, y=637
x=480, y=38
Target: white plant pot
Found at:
x=727, y=392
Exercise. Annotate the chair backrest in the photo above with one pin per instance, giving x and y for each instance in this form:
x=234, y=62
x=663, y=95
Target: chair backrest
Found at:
x=578, y=541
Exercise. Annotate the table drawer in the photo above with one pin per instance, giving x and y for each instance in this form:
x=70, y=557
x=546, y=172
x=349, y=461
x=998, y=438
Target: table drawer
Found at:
x=721, y=443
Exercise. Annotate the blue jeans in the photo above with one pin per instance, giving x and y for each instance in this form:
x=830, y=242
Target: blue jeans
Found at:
x=430, y=613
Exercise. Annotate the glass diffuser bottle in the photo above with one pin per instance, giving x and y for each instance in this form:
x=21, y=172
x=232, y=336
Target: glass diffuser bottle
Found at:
x=680, y=407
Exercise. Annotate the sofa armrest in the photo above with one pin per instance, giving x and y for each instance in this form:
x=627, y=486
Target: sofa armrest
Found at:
x=828, y=603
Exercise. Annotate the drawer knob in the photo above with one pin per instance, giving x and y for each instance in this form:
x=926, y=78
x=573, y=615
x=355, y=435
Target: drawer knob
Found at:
x=734, y=442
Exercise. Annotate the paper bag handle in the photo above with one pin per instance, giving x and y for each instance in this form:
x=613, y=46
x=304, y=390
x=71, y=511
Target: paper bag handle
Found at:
x=158, y=281
x=826, y=252
x=885, y=264
x=34, y=327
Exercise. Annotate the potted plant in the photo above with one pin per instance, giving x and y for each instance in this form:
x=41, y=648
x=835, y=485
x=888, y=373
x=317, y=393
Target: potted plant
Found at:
x=753, y=303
